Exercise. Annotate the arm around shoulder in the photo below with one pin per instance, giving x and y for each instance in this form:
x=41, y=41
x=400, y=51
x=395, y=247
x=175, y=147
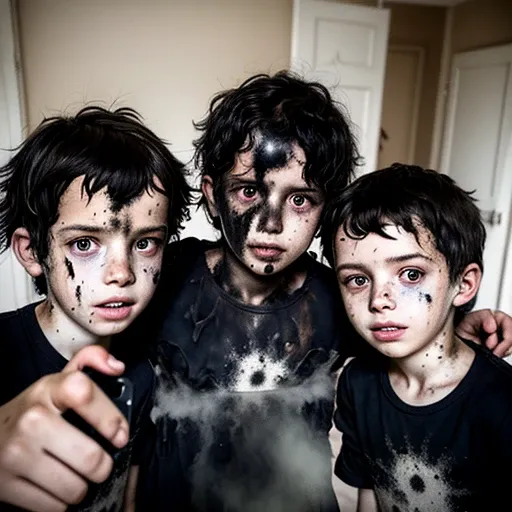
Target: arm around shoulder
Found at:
x=367, y=501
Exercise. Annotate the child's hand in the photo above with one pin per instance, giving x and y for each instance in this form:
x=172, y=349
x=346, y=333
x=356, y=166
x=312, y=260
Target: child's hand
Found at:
x=492, y=328
x=45, y=462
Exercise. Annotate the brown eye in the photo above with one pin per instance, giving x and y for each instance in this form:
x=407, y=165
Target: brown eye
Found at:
x=298, y=200
x=142, y=244
x=249, y=191
x=360, y=281
x=83, y=245
x=413, y=275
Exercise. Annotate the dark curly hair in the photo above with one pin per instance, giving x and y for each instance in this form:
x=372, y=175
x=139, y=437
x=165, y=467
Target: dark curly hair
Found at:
x=403, y=195
x=110, y=149
x=284, y=103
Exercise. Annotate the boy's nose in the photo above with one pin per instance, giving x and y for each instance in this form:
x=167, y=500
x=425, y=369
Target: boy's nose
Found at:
x=119, y=271
x=271, y=221
x=381, y=299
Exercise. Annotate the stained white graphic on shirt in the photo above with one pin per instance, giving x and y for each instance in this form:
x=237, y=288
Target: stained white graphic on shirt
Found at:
x=258, y=372
x=416, y=483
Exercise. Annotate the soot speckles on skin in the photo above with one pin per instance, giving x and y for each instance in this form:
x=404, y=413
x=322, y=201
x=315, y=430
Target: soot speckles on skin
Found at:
x=115, y=223
x=425, y=297
x=78, y=294
x=271, y=219
x=70, y=269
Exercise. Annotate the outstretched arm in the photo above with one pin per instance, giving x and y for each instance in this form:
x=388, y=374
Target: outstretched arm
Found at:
x=494, y=328
x=45, y=462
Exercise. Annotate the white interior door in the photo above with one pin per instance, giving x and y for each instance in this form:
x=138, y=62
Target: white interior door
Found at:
x=344, y=46
x=15, y=285
x=475, y=149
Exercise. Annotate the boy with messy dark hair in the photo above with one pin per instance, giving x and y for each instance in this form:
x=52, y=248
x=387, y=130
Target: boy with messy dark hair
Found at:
x=249, y=327
x=88, y=203
x=428, y=420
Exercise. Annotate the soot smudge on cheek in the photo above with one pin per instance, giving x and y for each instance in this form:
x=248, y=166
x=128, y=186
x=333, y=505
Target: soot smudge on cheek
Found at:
x=70, y=269
x=78, y=294
x=425, y=297
x=236, y=226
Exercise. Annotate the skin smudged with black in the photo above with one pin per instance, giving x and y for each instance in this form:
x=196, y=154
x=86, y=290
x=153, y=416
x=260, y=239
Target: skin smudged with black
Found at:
x=69, y=266
x=270, y=152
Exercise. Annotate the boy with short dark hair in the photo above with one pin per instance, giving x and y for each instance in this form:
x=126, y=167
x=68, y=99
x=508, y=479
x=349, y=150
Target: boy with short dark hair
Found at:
x=427, y=418
x=247, y=326
x=88, y=204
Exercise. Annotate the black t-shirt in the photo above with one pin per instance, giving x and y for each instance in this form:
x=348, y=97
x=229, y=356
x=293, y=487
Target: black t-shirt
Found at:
x=245, y=400
x=26, y=356
x=449, y=456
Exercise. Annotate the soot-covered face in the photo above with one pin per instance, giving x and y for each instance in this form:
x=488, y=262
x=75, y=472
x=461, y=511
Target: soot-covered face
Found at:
x=268, y=213
x=104, y=262
x=397, y=291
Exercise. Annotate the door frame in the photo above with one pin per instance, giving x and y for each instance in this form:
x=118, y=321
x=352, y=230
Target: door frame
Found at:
x=12, y=81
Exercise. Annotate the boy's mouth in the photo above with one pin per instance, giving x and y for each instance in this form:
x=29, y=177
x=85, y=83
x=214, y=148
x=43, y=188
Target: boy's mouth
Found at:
x=387, y=331
x=115, y=309
x=266, y=252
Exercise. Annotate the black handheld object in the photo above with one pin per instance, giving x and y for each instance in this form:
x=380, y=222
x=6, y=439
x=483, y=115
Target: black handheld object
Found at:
x=119, y=390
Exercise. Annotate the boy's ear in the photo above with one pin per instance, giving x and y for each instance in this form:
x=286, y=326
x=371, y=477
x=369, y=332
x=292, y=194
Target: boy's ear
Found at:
x=20, y=244
x=469, y=282
x=207, y=189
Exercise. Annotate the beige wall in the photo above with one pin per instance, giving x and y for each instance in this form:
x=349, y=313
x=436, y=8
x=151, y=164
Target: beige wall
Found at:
x=165, y=58
x=481, y=23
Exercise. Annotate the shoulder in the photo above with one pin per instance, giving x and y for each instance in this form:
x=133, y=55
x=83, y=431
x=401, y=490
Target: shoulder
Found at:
x=492, y=371
x=13, y=323
x=360, y=372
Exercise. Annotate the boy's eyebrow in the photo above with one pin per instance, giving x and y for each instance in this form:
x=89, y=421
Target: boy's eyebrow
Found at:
x=102, y=229
x=406, y=257
x=394, y=259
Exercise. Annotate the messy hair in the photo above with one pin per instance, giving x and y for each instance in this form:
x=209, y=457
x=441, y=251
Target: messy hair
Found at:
x=111, y=149
x=410, y=196
x=284, y=103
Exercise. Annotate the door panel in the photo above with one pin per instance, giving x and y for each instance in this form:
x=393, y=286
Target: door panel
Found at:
x=344, y=46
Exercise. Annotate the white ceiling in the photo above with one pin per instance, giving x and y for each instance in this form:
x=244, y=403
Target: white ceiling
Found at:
x=446, y=3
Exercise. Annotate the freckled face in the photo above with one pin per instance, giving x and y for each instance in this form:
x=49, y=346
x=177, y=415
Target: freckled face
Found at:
x=397, y=293
x=269, y=217
x=104, y=265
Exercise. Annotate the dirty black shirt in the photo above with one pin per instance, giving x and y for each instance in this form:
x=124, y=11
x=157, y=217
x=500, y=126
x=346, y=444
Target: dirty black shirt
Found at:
x=245, y=396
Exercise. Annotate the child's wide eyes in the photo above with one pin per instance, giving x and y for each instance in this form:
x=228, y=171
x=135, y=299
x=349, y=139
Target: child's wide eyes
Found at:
x=83, y=246
x=412, y=275
x=247, y=193
x=355, y=281
x=148, y=246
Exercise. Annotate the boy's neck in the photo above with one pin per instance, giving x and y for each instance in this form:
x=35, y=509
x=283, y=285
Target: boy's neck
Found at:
x=433, y=373
x=65, y=335
x=248, y=287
